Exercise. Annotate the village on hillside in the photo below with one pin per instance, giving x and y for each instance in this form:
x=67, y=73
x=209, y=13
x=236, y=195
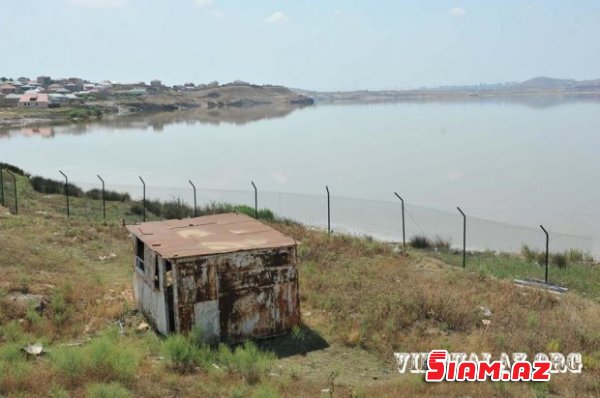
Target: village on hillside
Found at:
x=46, y=92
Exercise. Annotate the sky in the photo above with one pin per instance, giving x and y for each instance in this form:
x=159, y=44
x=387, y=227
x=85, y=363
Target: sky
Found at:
x=310, y=44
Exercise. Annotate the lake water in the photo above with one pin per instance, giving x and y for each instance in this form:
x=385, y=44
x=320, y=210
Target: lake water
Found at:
x=514, y=162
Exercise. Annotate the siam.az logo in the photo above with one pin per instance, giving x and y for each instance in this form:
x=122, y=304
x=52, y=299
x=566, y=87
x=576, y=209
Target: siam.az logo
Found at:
x=441, y=368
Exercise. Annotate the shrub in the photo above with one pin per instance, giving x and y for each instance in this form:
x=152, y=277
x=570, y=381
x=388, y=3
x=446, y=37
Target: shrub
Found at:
x=69, y=362
x=420, y=242
x=528, y=254
x=111, y=196
x=180, y=352
x=110, y=390
x=111, y=359
x=106, y=358
x=441, y=244
x=265, y=392
x=559, y=260
x=250, y=362
x=14, y=169
x=60, y=308
x=48, y=186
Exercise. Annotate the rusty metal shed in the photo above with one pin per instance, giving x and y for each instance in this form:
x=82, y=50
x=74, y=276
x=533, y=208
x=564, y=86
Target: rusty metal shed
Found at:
x=229, y=274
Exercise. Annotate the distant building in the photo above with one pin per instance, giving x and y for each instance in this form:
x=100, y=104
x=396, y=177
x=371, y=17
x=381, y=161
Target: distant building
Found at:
x=10, y=100
x=34, y=101
x=44, y=80
x=7, y=89
x=156, y=83
x=74, y=87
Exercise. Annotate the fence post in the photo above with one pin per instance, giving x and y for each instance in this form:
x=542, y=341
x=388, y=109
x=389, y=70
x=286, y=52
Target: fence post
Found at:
x=144, y=198
x=66, y=192
x=195, y=204
x=328, y=211
x=1, y=186
x=103, y=198
x=464, y=237
x=15, y=185
x=547, y=253
x=403, y=228
x=255, y=200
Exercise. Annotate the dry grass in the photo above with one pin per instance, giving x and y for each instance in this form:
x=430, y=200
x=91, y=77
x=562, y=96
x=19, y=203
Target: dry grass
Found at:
x=357, y=294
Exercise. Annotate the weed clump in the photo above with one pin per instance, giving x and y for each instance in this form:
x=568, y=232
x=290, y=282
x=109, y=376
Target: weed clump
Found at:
x=420, y=242
x=110, y=390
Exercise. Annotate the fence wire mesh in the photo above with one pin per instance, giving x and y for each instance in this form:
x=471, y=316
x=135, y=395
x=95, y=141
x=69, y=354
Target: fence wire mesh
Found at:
x=376, y=218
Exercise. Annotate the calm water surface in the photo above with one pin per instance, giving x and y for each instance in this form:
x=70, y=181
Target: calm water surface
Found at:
x=509, y=162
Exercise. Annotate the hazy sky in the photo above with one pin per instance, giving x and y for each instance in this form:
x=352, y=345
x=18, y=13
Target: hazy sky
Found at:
x=325, y=45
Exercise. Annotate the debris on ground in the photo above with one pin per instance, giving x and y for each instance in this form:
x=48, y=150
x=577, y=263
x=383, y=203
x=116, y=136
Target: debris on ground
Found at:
x=34, y=349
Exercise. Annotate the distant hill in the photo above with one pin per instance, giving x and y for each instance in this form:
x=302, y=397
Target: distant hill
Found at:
x=543, y=82
x=540, y=86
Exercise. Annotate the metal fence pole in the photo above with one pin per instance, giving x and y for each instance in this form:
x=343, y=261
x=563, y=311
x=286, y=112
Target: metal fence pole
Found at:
x=547, y=252
x=255, y=200
x=1, y=186
x=103, y=198
x=66, y=192
x=195, y=203
x=403, y=226
x=15, y=185
x=328, y=211
x=144, y=199
x=464, y=237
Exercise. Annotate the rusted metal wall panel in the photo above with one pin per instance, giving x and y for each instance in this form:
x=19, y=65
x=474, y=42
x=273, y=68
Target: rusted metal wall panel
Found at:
x=256, y=291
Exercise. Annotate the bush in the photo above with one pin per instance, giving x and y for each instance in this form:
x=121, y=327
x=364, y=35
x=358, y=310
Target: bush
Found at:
x=180, y=352
x=559, y=260
x=177, y=209
x=111, y=196
x=14, y=169
x=112, y=360
x=111, y=390
x=529, y=255
x=69, y=362
x=48, y=186
x=60, y=307
x=250, y=362
x=440, y=244
x=106, y=358
x=420, y=242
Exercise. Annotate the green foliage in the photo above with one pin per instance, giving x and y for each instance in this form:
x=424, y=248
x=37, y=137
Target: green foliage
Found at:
x=528, y=254
x=441, y=244
x=177, y=209
x=60, y=307
x=85, y=113
x=559, y=260
x=420, y=242
x=58, y=392
x=49, y=186
x=110, y=390
x=12, y=332
x=250, y=362
x=107, y=358
x=14, y=169
x=70, y=362
x=111, y=196
x=180, y=351
x=265, y=392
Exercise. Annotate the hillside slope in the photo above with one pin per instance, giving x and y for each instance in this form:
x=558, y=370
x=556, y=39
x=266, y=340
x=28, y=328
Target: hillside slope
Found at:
x=360, y=299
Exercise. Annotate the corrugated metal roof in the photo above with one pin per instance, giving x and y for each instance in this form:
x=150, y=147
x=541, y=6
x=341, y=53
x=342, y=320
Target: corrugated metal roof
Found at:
x=221, y=233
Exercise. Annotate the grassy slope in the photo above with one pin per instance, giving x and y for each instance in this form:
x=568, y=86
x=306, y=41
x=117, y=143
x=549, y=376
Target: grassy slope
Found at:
x=357, y=295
